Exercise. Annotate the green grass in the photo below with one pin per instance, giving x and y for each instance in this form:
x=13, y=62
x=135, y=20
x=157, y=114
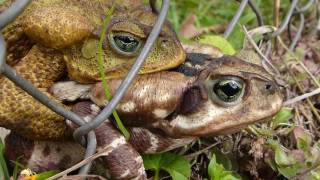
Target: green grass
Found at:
x=103, y=75
x=4, y=172
x=216, y=12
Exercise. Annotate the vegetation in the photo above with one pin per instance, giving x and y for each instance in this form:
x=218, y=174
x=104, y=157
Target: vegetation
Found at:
x=288, y=146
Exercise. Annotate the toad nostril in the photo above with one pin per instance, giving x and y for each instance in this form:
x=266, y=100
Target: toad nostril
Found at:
x=165, y=40
x=268, y=86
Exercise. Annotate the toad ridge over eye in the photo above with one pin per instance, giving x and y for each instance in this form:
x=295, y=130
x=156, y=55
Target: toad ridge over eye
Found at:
x=125, y=44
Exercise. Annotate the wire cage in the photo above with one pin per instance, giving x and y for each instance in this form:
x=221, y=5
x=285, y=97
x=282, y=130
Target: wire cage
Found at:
x=85, y=131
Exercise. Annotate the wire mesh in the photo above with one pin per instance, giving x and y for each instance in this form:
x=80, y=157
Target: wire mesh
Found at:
x=86, y=129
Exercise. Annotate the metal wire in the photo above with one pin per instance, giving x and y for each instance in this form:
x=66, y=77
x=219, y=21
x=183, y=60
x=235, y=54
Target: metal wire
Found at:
x=127, y=81
x=306, y=7
x=300, y=12
x=3, y=53
x=12, y=12
x=298, y=34
x=235, y=19
x=42, y=98
x=91, y=149
x=257, y=11
x=286, y=19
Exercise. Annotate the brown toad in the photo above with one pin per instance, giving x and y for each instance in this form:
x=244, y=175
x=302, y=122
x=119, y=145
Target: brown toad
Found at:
x=52, y=36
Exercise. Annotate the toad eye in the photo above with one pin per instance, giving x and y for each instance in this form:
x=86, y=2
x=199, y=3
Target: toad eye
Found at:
x=125, y=43
x=227, y=91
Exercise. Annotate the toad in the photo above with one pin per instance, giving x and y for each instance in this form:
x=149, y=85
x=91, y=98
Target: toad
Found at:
x=52, y=37
x=166, y=110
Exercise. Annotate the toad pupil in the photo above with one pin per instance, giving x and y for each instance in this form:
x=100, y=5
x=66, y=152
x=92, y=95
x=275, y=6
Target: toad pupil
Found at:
x=227, y=89
x=126, y=43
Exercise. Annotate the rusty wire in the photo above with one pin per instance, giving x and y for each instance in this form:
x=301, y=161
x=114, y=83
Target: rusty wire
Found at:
x=87, y=128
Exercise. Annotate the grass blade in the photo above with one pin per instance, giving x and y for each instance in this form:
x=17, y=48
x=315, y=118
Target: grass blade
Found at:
x=123, y=130
x=4, y=173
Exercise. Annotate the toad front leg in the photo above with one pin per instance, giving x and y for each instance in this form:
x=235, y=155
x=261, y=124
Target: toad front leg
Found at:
x=21, y=112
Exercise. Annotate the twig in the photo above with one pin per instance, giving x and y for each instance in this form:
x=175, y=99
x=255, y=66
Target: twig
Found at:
x=302, y=97
x=81, y=177
x=298, y=84
x=189, y=156
x=276, y=8
x=81, y=163
x=300, y=62
x=258, y=50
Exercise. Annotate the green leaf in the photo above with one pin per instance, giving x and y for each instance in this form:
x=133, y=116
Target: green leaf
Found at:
x=315, y=175
x=216, y=171
x=236, y=38
x=177, y=166
x=45, y=175
x=261, y=131
x=152, y=162
x=271, y=163
x=285, y=163
x=177, y=176
x=222, y=159
x=17, y=168
x=303, y=145
x=4, y=173
x=218, y=42
x=282, y=116
x=291, y=170
x=303, y=138
x=281, y=157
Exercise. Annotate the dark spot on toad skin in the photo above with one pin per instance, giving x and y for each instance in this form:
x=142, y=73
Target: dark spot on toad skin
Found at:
x=49, y=166
x=193, y=59
x=26, y=147
x=64, y=161
x=46, y=151
x=191, y=100
x=197, y=58
x=140, y=140
x=58, y=149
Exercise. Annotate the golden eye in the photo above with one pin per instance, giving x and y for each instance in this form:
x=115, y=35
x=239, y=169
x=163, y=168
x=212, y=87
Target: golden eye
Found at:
x=227, y=90
x=125, y=43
